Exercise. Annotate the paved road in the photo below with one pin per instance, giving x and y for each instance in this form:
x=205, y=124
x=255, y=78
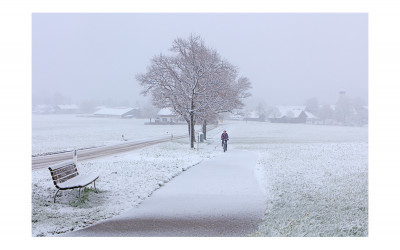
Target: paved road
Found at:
x=218, y=197
x=39, y=162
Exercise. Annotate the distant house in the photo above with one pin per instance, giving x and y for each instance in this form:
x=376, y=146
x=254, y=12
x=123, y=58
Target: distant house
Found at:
x=166, y=116
x=236, y=114
x=43, y=109
x=291, y=114
x=311, y=118
x=253, y=116
x=122, y=112
x=236, y=117
x=66, y=109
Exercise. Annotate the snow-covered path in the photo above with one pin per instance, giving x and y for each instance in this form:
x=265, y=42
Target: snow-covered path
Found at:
x=218, y=197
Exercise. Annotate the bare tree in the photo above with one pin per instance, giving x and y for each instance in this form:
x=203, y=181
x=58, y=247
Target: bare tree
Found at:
x=262, y=110
x=87, y=106
x=342, y=108
x=195, y=82
x=326, y=112
x=361, y=111
x=148, y=111
x=312, y=105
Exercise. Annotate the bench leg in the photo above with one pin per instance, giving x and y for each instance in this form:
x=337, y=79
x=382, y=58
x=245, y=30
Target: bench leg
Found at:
x=94, y=183
x=79, y=193
x=56, y=195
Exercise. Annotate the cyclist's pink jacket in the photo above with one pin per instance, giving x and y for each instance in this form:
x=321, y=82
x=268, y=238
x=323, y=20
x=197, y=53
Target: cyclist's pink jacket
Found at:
x=224, y=136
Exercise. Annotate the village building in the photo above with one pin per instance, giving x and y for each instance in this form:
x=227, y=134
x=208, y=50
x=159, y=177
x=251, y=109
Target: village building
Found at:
x=66, y=109
x=43, y=109
x=291, y=114
x=166, y=116
x=253, y=116
x=123, y=112
x=236, y=117
x=236, y=114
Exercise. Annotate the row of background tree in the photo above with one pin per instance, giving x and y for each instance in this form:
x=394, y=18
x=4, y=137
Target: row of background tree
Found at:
x=347, y=110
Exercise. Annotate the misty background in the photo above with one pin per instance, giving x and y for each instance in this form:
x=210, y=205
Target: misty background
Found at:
x=289, y=58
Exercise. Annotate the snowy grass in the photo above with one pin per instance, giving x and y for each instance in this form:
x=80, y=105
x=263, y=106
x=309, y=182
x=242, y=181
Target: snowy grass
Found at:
x=58, y=133
x=315, y=177
x=315, y=189
x=125, y=181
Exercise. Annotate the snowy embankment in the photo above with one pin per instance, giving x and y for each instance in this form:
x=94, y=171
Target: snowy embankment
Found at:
x=316, y=181
x=315, y=189
x=125, y=181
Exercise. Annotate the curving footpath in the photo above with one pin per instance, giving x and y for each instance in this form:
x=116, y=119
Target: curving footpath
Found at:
x=218, y=197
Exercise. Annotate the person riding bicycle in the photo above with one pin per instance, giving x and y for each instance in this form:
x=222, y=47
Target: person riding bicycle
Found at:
x=224, y=137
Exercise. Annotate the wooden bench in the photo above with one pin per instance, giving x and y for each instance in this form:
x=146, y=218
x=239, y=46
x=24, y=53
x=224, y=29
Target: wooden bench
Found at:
x=65, y=176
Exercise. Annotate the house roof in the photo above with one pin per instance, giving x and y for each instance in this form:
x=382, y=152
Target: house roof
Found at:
x=310, y=116
x=253, y=115
x=165, y=112
x=289, y=111
x=236, y=116
x=113, y=111
x=67, y=106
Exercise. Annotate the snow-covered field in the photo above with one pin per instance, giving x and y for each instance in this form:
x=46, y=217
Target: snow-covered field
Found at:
x=54, y=133
x=315, y=177
x=316, y=189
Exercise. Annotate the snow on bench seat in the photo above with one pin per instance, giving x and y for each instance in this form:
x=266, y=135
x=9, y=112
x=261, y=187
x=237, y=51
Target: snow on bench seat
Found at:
x=79, y=181
x=65, y=176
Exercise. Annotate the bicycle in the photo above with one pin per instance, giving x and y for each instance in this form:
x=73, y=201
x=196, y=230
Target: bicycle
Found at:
x=225, y=145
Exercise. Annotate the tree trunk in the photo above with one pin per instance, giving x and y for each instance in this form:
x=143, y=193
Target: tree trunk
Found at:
x=191, y=130
x=205, y=129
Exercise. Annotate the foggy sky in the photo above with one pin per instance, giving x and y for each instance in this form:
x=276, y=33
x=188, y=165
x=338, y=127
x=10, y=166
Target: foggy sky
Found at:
x=289, y=58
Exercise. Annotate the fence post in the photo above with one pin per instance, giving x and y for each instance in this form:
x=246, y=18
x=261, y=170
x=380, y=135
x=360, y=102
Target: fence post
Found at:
x=198, y=139
x=75, y=157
